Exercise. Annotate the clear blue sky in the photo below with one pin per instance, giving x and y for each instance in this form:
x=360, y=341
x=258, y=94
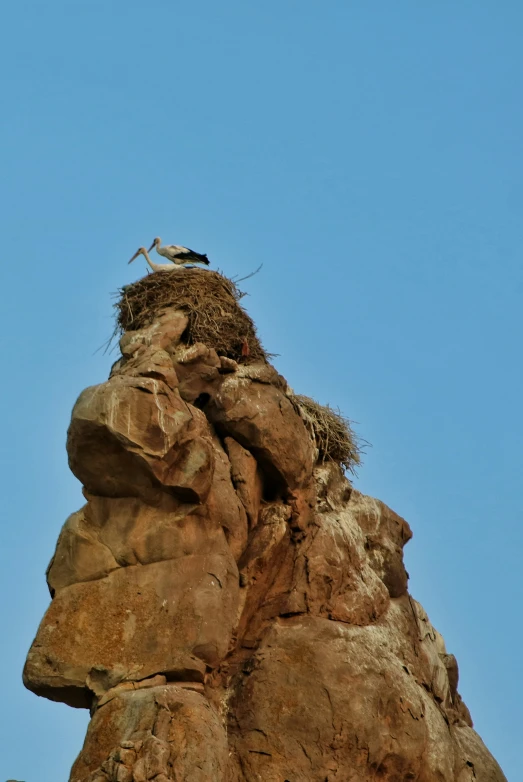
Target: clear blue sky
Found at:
x=370, y=155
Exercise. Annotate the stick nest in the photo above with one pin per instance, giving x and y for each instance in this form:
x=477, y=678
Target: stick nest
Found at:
x=332, y=432
x=210, y=301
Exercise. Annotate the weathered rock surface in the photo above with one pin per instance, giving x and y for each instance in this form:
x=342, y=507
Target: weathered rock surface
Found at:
x=161, y=732
x=228, y=609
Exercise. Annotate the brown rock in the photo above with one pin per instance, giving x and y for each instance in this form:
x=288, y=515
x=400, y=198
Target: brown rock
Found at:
x=122, y=438
x=261, y=372
x=166, y=733
x=198, y=368
x=223, y=504
x=474, y=763
x=332, y=571
x=326, y=716
x=110, y=532
x=326, y=713
x=149, y=362
x=307, y=661
x=228, y=365
x=259, y=566
x=79, y=555
x=246, y=478
x=138, y=533
x=386, y=534
x=261, y=418
x=123, y=627
x=163, y=333
x=167, y=329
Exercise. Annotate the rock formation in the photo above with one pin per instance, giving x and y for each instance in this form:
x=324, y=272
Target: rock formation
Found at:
x=227, y=606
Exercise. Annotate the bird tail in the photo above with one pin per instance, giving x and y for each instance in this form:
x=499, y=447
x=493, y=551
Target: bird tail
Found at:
x=201, y=258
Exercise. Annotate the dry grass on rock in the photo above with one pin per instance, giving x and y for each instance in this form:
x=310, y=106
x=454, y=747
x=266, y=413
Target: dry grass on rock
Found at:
x=210, y=301
x=331, y=431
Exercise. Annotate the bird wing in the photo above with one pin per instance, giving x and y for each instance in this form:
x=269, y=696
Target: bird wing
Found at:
x=170, y=251
x=181, y=255
x=186, y=255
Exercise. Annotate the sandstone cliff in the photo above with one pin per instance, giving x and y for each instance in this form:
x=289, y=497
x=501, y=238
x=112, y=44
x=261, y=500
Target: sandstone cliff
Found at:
x=228, y=607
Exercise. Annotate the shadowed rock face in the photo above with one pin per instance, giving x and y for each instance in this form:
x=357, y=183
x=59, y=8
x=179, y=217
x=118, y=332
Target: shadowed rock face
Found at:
x=228, y=609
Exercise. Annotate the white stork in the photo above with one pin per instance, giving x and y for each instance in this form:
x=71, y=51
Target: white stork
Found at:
x=156, y=267
x=177, y=254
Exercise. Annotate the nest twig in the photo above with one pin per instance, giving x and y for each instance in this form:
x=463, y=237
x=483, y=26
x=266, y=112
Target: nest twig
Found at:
x=210, y=301
x=332, y=432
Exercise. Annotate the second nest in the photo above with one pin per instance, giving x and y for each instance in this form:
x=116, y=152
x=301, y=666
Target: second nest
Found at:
x=210, y=301
x=331, y=431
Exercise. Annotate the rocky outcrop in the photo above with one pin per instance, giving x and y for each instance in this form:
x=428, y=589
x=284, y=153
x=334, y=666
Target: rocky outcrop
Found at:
x=228, y=607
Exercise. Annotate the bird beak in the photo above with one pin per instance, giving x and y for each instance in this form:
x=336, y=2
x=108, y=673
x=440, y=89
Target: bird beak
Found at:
x=135, y=256
x=151, y=247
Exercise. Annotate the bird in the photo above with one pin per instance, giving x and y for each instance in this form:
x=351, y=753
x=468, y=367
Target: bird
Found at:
x=156, y=267
x=178, y=254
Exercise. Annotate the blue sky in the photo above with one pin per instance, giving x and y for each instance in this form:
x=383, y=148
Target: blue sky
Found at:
x=369, y=155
